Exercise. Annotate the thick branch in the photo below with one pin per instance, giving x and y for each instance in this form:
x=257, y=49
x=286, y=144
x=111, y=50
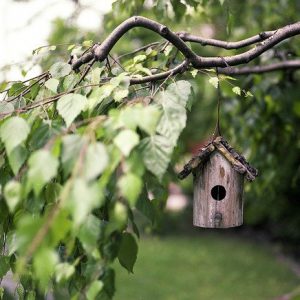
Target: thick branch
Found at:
x=285, y=65
x=100, y=52
x=264, y=40
x=280, y=35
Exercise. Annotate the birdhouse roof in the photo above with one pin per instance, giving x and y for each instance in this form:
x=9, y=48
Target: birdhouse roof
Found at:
x=237, y=161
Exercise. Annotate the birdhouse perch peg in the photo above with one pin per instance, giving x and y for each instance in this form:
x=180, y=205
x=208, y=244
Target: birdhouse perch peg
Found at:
x=219, y=173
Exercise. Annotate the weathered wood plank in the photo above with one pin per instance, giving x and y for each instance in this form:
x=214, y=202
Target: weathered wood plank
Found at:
x=211, y=213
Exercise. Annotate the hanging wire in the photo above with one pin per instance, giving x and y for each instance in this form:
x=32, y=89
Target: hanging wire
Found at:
x=217, y=131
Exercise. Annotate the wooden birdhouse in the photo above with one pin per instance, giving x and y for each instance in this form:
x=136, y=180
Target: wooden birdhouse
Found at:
x=219, y=173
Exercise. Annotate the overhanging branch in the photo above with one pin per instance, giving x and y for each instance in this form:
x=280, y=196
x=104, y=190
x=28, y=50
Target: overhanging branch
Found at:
x=263, y=42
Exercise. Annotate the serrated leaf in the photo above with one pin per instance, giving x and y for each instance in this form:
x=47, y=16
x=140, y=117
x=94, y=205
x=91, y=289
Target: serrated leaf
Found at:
x=60, y=69
x=173, y=101
x=13, y=132
x=12, y=194
x=157, y=151
x=17, y=158
x=96, y=160
x=130, y=187
x=126, y=140
x=237, y=90
x=128, y=251
x=214, y=81
x=70, y=106
x=52, y=84
x=94, y=289
x=42, y=168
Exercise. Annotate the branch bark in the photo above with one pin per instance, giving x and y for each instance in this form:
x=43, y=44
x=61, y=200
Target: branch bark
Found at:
x=187, y=37
x=263, y=42
x=284, y=65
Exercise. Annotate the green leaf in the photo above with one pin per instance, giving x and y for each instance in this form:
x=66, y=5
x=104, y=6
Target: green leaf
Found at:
x=194, y=73
x=96, y=160
x=214, y=81
x=94, y=289
x=157, y=151
x=6, y=107
x=84, y=198
x=139, y=58
x=89, y=233
x=71, y=147
x=95, y=75
x=42, y=168
x=126, y=140
x=52, y=84
x=70, y=81
x=98, y=94
x=87, y=44
x=173, y=101
x=44, y=266
x=119, y=215
x=63, y=271
x=149, y=118
x=4, y=265
x=70, y=106
x=17, y=158
x=130, y=187
x=120, y=94
x=145, y=206
x=60, y=69
x=13, y=132
x=128, y=251
x=12, y=194
x=237, y=90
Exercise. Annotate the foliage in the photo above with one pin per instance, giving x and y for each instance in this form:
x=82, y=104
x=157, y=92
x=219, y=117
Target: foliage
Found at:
x=75, y=160
x=80, y=155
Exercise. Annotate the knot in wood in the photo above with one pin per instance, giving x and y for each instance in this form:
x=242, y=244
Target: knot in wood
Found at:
x=164, y=30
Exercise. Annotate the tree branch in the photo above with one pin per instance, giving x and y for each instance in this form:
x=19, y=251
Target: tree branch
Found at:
x=187, y=37
x=178, y=69
x=266, y=41
x=284, y=65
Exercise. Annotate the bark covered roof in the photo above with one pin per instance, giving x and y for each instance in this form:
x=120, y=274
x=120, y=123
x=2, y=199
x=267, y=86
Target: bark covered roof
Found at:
x=219, y=144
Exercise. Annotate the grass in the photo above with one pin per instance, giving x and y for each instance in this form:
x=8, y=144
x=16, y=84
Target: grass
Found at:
x=204, y=267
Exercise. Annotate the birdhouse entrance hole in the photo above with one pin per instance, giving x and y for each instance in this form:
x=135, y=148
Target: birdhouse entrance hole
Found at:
x=218, y=192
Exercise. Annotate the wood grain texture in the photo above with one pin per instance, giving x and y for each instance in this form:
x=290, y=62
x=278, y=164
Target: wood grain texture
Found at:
x=208, y=212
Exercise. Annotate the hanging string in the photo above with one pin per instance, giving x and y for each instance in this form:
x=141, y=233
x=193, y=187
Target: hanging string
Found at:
x=217, y=131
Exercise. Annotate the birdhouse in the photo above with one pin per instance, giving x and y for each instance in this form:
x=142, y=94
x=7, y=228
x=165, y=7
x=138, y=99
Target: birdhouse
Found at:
x=219, y=173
